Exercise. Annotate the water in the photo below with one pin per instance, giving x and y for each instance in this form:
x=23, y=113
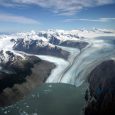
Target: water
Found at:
x=50, y=99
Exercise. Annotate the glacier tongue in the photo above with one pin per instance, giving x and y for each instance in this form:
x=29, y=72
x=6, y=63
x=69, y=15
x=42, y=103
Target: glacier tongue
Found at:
x=83, y=63
x=80, y=63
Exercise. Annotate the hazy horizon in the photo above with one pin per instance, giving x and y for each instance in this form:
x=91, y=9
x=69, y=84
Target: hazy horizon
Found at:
x=21, y=15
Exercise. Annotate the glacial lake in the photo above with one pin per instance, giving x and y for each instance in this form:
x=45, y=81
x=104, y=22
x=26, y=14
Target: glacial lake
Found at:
x=50, y=99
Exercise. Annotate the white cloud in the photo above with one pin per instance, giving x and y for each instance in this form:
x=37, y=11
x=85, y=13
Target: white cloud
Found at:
x=17, y=19
x=91, y=20
x=61, y=7
x=108, y=19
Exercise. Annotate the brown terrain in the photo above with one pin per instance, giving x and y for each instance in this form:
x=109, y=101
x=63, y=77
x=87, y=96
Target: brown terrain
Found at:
x=23, y=77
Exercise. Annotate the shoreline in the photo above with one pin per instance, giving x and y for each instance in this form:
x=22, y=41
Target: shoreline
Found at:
x=40, y=73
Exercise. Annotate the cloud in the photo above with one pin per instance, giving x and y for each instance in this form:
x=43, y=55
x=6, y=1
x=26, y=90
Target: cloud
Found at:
x=108, y=19
x=17, y=19
x=61, y=7
x=91, y=20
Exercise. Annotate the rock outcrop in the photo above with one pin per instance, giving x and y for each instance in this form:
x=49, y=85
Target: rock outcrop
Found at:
x=101, y=96
x=75, y=44
x=39, y=47
x=19, y=76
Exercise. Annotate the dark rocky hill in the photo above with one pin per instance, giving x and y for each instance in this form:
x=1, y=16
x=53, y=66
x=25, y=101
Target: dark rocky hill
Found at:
x=101, y=97
x=19, y=76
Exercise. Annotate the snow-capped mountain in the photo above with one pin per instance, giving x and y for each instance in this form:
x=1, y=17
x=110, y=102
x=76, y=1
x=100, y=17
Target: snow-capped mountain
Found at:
x=47, y=42
x=39, y=47
x=6, y=56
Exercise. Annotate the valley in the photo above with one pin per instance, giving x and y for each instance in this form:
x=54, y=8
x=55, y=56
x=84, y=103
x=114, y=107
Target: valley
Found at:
x=70, y=68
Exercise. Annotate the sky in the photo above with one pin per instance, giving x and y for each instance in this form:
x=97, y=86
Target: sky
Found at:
x=27, y=15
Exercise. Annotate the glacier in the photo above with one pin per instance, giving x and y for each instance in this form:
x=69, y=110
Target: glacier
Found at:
x=80, y=62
